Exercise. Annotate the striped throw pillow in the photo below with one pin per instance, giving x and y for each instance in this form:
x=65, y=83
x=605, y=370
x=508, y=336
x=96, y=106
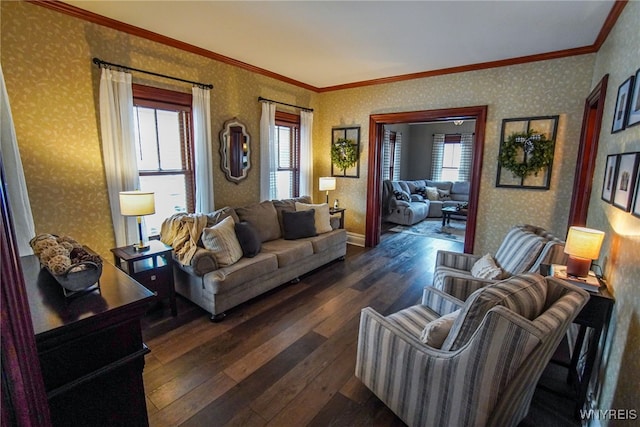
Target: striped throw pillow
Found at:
x=518, y=251
x=524, y=294
x=222, y=241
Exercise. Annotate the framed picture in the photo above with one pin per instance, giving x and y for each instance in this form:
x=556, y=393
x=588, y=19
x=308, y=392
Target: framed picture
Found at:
x=608, y=184
x=527, y=147
x=634, y=107
x=625, y=180
x=622, y=106
x=345, y=152
x=636, y=203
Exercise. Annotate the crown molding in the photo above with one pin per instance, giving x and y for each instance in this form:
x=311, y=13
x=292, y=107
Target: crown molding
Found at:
x=68, y=9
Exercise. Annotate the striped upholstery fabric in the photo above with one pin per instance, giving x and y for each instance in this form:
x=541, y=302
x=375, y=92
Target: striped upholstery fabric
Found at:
x=519, y=251
x=529, y=246
x=489, y=381
x=413, y=319
x=524, y=295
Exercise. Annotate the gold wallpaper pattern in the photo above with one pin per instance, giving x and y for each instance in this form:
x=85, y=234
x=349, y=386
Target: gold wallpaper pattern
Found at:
x=53, y=90
x=620, y=58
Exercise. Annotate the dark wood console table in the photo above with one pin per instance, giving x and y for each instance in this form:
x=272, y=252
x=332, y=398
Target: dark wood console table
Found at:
x=90, y=347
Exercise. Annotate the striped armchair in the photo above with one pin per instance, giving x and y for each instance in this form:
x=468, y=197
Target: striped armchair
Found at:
x=486, y=371
x=522, y=250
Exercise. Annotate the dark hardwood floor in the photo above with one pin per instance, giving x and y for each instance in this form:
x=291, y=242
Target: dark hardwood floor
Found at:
x=287, y=358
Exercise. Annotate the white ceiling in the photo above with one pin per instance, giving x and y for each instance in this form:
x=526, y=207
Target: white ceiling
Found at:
x=328, y=43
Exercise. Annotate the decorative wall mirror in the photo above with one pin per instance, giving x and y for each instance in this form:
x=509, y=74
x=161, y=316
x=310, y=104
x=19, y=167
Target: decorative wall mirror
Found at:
x=235, y=150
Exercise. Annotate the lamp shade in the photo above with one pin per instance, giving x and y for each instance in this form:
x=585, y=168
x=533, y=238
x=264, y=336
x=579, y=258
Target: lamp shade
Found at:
x=137, y=203
x=327, y=183
x=584, y=242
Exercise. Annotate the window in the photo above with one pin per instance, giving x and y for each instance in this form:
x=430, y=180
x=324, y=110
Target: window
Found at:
x=288, y=162
x=451, y=158
x=163, y=137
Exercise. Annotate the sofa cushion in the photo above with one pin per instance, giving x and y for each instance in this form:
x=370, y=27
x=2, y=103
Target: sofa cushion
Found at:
x=323, y=242
x=296, y=225
x=486, y=268
x=437, y=330
x=248, y=238
x=288, y=251
x=263, y=217
x=246, y=269
x=440, y=185
x=222, y=241
x=321, y=215
x=524, y=295
x=519, y=251
x=215, y=217
x=460, y=187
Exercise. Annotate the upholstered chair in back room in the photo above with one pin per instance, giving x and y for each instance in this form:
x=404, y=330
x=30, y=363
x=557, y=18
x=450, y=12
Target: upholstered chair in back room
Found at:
x=476, y=363
x=524, y=249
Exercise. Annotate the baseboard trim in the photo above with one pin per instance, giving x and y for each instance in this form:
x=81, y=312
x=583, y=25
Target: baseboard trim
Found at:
x=355, y=239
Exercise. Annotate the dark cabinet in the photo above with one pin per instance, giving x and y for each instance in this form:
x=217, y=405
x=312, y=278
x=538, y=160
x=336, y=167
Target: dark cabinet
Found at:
x=90, y=347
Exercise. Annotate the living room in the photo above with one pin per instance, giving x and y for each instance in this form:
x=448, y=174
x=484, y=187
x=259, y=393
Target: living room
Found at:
x=52, y=85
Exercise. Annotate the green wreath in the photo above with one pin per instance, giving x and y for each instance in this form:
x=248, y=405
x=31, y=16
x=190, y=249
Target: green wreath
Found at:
x=344, y=153
x=538, y=153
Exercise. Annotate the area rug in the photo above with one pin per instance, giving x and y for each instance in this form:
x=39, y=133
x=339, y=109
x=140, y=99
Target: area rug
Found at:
x=433, y=228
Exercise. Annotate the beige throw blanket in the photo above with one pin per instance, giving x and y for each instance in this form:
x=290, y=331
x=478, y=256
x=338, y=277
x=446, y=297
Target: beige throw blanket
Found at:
x=182, y=231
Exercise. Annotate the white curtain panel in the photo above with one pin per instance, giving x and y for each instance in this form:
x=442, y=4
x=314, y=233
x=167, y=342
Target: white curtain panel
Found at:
x=118, y=148
x=203, y=150
x=306, y=153
x=436, y=156
x=21, y=214
x=466, y=156
x=268, y=152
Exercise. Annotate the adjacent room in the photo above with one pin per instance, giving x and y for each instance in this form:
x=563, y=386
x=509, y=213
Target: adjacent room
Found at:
x=238, y=213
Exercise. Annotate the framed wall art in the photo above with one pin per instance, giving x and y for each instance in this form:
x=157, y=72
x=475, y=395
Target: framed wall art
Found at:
x=634, y=107
x=609, y=182
x=345, y=152
x=526, y=152
x=635, y=211
x=625, y=180
x=622, y=106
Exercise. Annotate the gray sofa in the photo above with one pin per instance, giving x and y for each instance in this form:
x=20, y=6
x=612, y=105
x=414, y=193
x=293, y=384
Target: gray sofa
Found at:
x=217, y=289
x=409, y=202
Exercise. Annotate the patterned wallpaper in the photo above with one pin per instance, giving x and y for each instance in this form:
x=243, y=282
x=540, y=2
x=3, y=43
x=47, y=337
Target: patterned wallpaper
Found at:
x=536, y=89
x=620, y=58
x=53, y=90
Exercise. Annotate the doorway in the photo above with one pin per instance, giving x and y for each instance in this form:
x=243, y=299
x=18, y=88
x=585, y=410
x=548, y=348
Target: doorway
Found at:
x=374, y=180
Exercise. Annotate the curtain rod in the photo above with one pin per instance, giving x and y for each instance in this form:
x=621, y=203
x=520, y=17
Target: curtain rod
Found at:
x=260, y=99
x=101, y=63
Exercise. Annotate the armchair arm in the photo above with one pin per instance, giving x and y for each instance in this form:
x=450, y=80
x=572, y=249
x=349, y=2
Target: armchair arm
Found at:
x=439, y=301
x=457, y=260
x=458, y=284
x=397, y=203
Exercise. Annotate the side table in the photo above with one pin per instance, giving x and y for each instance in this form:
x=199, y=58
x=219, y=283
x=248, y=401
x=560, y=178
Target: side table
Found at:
x=153, y=268
x=336, y=211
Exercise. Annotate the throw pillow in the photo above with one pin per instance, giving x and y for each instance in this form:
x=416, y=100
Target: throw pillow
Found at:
x=437, y=330
x=444, y=194
x=486, y=268
x=299, y=224
x=248, y=238
x=402, y=195
x=222, y=241
x=432, y=193
x=322, y=216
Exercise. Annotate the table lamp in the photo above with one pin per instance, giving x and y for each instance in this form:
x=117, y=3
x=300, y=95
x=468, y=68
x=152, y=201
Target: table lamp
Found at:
x=138, y=204
x=327, y=183
x=583, y=246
